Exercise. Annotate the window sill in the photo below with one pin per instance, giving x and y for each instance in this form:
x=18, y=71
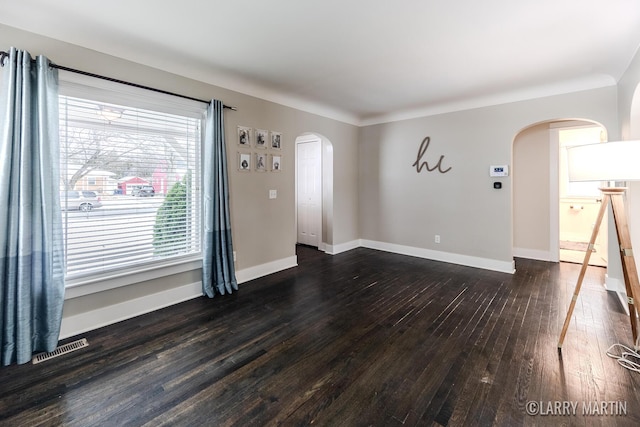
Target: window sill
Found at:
x=89, y=285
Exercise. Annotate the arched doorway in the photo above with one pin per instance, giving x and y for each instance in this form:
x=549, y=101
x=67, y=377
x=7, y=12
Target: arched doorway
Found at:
x=543, y=202
x=314, y=190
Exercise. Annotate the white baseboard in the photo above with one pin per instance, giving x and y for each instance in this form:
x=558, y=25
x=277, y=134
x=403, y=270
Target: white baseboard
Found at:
x=613, y=284
x=532, y=254
x=342, y=247
x=469, y=261
x=94, y=319
x=262, y=270
x=617, y=286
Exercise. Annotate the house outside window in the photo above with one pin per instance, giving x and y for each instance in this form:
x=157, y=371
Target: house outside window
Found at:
x=135, y=165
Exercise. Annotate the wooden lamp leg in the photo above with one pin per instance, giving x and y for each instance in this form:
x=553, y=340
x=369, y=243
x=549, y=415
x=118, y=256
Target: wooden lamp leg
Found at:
x=583, y=270
x=629, y=269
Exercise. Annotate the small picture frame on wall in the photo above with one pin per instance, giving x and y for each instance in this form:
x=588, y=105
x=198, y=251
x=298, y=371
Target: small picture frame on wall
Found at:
x=276, y=163
x=261, y=162
x=261, y=138
x=276, y=140
x=244, y=162
x=244, y=136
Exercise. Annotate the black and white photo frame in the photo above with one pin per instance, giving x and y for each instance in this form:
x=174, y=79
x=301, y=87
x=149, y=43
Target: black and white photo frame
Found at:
x=244, y=136
x=261, y=162
x=262, y=137
x=276, y=163
x=276, y=141
x=244, y=162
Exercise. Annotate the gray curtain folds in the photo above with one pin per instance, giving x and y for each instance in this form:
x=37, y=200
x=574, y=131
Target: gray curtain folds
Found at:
x=31, y=245
x=218, y=271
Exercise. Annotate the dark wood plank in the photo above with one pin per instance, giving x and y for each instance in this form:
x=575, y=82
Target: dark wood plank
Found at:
x=360, y=338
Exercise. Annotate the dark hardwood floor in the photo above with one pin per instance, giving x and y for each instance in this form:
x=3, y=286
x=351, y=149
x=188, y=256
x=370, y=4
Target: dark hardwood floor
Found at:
x=357, y=339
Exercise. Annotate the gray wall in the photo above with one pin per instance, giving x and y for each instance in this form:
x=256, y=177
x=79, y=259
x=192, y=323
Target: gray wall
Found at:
x=400, y=206
x=629, y=119
x=629, y=116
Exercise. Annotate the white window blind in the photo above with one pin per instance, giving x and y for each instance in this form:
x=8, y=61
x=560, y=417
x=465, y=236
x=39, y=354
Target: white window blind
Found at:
x=130, y=185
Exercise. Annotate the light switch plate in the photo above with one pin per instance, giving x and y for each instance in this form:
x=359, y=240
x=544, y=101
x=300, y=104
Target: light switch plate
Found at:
x=273, y=194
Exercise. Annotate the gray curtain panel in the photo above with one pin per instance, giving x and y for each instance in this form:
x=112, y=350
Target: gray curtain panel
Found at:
x=31, y=246
x=218, y=271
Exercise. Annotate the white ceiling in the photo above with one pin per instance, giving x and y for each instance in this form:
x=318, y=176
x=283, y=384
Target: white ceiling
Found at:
x=360, y=61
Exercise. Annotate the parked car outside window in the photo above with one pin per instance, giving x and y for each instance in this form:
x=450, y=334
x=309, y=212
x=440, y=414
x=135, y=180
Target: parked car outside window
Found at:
x=144, y=191
x=79, y=200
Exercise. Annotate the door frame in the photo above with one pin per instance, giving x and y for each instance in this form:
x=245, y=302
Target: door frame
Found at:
x=302, y=140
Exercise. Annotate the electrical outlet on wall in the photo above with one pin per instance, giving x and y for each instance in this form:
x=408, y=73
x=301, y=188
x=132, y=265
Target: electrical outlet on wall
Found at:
x=437, y=239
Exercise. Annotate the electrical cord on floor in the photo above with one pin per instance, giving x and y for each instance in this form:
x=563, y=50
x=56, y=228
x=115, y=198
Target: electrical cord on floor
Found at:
x=626, y=357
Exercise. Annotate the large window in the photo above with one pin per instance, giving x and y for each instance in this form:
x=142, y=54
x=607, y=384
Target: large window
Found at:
x=130, y=179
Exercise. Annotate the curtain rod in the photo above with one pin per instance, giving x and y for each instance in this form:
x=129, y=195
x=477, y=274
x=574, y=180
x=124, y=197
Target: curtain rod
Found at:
x=4, y=55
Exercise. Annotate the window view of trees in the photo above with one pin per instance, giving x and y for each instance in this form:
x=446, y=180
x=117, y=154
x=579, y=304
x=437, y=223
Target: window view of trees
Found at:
x=134, y=172
x=171, y=228
x=89, y=150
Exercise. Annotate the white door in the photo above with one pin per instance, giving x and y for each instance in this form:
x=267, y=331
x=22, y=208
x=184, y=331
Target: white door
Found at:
x=309, y=166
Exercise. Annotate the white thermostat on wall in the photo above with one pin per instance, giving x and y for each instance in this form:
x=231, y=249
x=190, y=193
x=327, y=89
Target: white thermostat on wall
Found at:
x=500, y=170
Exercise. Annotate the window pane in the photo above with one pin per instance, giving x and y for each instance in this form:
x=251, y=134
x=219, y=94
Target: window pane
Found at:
x=577, y=136
x=128, y=187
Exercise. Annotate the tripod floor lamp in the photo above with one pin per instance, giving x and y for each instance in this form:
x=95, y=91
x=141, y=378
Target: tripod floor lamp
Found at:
x=609, y=161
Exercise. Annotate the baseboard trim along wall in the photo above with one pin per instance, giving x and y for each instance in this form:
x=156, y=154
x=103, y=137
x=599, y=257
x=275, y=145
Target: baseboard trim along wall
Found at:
x=342, y=247
x=262, y=270
x=466, y=260
x=94, y=319
x=616, y=285
x=88, y=321
x=532, y=254
x=613, y=284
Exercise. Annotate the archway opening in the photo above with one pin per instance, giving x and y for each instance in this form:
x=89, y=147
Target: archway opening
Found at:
x=547, y=215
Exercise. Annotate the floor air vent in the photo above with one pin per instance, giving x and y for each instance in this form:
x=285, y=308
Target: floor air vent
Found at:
x=64, y=349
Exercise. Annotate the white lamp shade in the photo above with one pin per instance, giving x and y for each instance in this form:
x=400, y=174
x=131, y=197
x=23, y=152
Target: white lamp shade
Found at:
x=606, y=161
